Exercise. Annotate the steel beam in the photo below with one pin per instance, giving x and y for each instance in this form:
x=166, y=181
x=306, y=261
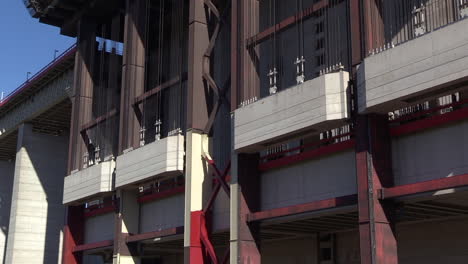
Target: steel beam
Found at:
x=423, y=187
x=73, y=235
x=373, y=164
x=303, y=208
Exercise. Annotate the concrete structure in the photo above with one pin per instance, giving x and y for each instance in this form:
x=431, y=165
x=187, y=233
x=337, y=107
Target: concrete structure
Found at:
x=316, y=105
x=245, y=131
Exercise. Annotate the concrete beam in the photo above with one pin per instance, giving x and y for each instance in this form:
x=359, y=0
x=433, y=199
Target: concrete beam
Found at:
x=37, y=214
x=51, y=94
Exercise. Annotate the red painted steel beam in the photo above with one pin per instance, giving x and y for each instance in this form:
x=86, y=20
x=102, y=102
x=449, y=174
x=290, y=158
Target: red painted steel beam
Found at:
x=156, y=234
x=422, y=187
x=308, y=155
x=378, y=243
x=73, y=235
x=430, y=122
x=91, y=246
x=286, y=23
x=161, y=195
x=303, y=208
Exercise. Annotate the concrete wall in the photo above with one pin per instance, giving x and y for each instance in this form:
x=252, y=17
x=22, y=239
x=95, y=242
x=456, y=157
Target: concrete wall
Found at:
x=37, y=214
x=159, y=158
x=309, y=181
x=162, y=214
x=7, y=170
x=445, y=243
x=298, y=251
x=387, y=79
x=316, y=104
x=88, y=182
x=99, y=228
x=433, y=154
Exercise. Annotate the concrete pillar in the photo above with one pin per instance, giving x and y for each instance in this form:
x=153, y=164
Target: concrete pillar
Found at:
x=37, y=213
x=126, y=223
x=7, y=170
x=245, y=198
x=374, y=171
x=196, y=195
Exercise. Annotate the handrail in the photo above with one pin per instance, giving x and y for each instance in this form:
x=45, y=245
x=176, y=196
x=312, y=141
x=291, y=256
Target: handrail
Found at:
x=71, y=50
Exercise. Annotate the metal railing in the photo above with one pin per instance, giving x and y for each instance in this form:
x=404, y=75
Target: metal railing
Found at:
x=404, y=20
x=40, y=74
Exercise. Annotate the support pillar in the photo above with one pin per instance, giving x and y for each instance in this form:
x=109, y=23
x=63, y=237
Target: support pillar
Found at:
x=198, y=184
x=374, y=171
x=126, y=222
x=82, y=98
x=37, y=213
x=245, y=198
x=73, y=234
x=133, y=72
x=7, y=171
x=196, y=195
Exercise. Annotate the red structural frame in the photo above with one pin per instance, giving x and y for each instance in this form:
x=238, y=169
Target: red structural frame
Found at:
x=91, y=246
x=307, y=155
x=303, y=208
x=161, y=195
x=431, y=121
x=426, y=186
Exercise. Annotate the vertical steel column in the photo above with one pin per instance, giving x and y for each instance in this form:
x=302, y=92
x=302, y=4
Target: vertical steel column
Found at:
x=374, y=171
x=133, y=73
x=81, y=113
x=82, y=98
x=245, y=199
x=373, y=25
x=73, y=234
x=197, y=187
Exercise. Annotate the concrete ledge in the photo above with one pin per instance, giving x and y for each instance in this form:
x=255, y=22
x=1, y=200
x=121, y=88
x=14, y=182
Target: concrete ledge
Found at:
x=164, y=157
x=88, y=182
x=315, y=105
x=420, y=69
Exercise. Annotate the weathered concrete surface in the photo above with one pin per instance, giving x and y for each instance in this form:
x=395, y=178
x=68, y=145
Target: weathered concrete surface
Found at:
x=433, y=154
x=309, y=181
x=88, y=182
x=317, y=104
x=37, y=214
x=53, y=93
x=7, y=171
x=160, y=158
x=416, y=67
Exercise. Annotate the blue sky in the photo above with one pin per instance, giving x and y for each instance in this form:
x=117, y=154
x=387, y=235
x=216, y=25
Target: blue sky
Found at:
x=25, y=44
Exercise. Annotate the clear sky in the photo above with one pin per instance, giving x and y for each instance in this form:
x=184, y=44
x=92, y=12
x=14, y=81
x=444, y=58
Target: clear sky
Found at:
x=25, y=44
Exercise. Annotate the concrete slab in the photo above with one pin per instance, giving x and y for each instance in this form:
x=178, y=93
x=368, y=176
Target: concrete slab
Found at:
x=160, y=158
x=317, y=104
x=88, y=182
x=432, y=63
